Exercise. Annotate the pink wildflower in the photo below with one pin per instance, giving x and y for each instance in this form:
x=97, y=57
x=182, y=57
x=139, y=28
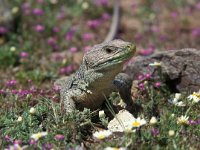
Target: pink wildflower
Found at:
x=67, y=70
x=37, y=11
x=19, y=142
x=26, y=8
x=146, y=52
x=11, y=82
x=23, y=93
x=86, y=48
x=39, y=28
x=59, y=137
x=3, y=30
x=147, y=76
x=192, y=122
x=198, y=6
x=163, y=37
x=14, y=91
x=23, y=54
x=140, y=77
x=157, y=84
x=56, y=88
x=56, y=29
x=101, y=2
x=174, y=14
x=93, y=23
x=141, y=86
x=105, y=16
x=138, y=37
x=195, y=32
x=2, y=91
x=73, y=49
x=40, y=1
x=51, y=41
x=70, y=34
x=155, y=132
x=155, y=29
x=32, y=142
x=88, y=36
x=7, y=138
x=47, y=146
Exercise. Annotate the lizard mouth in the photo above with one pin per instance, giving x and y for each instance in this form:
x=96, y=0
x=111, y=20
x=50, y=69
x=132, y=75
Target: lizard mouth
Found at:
x=121, y=56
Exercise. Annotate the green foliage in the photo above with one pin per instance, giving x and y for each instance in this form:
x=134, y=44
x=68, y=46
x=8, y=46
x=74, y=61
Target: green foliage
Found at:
x=8, y=58
x=47, y=117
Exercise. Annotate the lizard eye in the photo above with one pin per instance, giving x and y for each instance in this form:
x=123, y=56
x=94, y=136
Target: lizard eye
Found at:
x=108, y=50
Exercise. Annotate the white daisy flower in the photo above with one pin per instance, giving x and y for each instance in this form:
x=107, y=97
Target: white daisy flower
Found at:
x=176, y=101
x=137, y=122
x=194, y=97
x=180, y=104
x=102, y=134
x=38, y=135
x=182, y=120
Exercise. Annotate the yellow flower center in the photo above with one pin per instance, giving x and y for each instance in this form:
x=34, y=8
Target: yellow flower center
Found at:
x=101, y=137
x=136, y=124
x=196, y=94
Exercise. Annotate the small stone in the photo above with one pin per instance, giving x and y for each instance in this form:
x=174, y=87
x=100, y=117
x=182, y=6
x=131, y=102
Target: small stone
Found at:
x=121, y=122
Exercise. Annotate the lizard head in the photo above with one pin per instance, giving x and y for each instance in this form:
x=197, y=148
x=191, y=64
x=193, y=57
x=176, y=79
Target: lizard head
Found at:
x=109, y=56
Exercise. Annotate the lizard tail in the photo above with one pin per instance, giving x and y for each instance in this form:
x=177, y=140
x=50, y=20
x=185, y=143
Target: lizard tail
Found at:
x=115, y=22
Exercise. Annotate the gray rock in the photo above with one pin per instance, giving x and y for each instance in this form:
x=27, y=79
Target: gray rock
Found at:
x=121, y=122
x=181, y=68
x=6, y=17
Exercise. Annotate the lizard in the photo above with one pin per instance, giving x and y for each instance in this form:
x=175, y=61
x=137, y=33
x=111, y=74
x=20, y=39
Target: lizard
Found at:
x=98, y=75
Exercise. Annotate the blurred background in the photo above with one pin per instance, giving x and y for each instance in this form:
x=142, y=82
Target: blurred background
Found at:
x=42, y=40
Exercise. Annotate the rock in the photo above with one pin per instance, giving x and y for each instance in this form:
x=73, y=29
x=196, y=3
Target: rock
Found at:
x=181, y=68
x=6, y=17
x=121, y=122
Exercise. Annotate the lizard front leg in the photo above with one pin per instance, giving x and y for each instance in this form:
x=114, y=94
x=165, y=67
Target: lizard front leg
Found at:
x=123, y=84
x=67, y=100
x=75, y=98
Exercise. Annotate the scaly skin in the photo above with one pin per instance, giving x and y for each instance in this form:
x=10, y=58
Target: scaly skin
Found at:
x=98, y=76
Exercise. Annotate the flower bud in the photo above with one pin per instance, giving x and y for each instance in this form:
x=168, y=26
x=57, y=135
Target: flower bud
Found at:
x=178, y=96
x=32, y=110
x=153, y=120
x=101, y=114
x=19, y=119
x=171, y=132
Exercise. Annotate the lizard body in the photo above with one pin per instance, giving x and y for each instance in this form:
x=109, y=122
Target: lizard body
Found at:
x=98, y=76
